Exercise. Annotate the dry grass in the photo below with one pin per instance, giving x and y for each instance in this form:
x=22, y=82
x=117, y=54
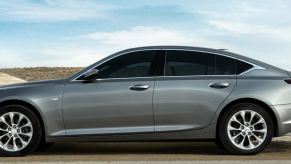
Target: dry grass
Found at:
x=41, y=73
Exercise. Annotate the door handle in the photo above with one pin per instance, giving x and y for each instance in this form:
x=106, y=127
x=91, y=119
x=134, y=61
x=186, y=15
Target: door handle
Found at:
x=139, y=87
x=219, y=85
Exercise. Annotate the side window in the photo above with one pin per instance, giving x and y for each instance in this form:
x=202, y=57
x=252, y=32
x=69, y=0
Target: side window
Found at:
x=225, y=65
x=135, y=64
x=184, y=63
x=242, y=67
x=228, y=66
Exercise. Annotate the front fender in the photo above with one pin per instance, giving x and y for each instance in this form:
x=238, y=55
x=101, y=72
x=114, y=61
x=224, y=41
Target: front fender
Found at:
x=46, y=100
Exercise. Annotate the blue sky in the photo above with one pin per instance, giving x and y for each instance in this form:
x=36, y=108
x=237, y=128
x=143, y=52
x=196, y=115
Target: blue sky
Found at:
x=80, y=32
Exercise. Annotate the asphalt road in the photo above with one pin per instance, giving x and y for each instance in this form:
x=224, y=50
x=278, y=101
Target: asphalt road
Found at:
x=279, y=151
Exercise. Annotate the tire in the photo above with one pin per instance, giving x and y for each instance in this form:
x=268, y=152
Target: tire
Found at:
x=26, y=133
x=249, y=137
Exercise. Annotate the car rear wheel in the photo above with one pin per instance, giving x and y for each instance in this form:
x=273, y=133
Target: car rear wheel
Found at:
x=246, y=129
x=20, y=131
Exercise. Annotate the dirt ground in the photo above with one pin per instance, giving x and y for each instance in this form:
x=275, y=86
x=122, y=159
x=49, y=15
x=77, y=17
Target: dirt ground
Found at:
x=41, y=73
x=7, y=79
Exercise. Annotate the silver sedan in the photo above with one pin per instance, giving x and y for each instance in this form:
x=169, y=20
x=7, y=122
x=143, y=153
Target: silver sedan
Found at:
x=166, y=93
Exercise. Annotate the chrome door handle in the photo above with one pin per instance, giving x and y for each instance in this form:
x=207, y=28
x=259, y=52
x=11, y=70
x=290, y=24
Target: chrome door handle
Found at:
x=139, y=87
x=219, y=85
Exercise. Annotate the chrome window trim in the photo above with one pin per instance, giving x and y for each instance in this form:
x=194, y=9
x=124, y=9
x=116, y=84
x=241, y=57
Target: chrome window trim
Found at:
x=152, y=77
x=125, y=78
x=255, y=67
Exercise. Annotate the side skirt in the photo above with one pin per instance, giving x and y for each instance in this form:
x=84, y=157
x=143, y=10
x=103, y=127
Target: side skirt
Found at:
x=206, y=134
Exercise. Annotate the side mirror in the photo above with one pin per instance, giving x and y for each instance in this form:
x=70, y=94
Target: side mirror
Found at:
x=91, y=75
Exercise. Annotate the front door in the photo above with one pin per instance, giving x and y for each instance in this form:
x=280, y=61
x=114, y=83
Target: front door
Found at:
x=119, y=101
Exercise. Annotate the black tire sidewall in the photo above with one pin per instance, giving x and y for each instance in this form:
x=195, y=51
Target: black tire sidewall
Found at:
x=37, y=133
x=223, y=134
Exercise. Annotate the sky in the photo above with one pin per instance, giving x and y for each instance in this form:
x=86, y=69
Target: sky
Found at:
x=81, y=32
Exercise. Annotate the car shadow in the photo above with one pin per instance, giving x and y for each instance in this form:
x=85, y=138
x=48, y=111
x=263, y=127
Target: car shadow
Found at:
x=119, y=148
x=203, y=148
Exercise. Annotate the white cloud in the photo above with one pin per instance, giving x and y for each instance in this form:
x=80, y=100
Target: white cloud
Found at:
x=148, y=36
x=265, y=19
x=68, y=56
x=71, y=56
x=243, y=28
x=259, y=29
x=9, y=58
x=51, y=10
x=106, y=43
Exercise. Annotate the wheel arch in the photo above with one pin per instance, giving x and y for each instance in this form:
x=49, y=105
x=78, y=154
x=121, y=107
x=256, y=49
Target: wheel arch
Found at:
x=30, y=107
x=254, y=101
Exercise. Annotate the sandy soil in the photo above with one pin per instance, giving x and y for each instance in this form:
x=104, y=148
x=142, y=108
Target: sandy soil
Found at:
x=41, y=73
x=7, y=79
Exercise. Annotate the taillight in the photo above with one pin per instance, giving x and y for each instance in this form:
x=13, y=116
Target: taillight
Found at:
x=288, y=81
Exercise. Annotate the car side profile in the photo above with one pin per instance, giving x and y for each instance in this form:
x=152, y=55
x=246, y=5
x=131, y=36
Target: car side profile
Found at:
x=158, y=93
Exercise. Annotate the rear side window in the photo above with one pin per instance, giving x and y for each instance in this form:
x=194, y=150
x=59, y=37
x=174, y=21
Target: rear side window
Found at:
x=185, y=63
x=228, y=66
x=225, y=66
x=242, y=67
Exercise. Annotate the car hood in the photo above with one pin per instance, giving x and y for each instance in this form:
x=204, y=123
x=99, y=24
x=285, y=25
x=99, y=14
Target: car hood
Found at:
x=33, y=83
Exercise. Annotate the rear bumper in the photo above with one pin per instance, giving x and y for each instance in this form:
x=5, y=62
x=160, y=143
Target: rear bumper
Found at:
x=283, y=114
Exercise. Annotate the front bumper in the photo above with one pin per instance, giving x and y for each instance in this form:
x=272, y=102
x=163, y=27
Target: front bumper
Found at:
x=283, y=114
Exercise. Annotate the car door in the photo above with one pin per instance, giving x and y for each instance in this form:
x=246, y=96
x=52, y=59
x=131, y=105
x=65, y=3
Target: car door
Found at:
x=192, y=88
x=119, y=101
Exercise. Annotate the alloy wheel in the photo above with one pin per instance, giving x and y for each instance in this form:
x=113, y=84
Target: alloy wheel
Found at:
x=247, y=129
x=16, y=131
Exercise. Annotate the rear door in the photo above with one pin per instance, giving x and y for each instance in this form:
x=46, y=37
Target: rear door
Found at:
x=192, y=88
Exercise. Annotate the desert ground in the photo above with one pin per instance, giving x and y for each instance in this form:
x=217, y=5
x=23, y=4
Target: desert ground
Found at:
x=7, y=79
x=279, y=152
x=40, y=73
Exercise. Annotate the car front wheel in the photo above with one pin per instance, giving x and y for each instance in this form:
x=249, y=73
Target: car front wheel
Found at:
x=20, y=131
x=246, y=129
